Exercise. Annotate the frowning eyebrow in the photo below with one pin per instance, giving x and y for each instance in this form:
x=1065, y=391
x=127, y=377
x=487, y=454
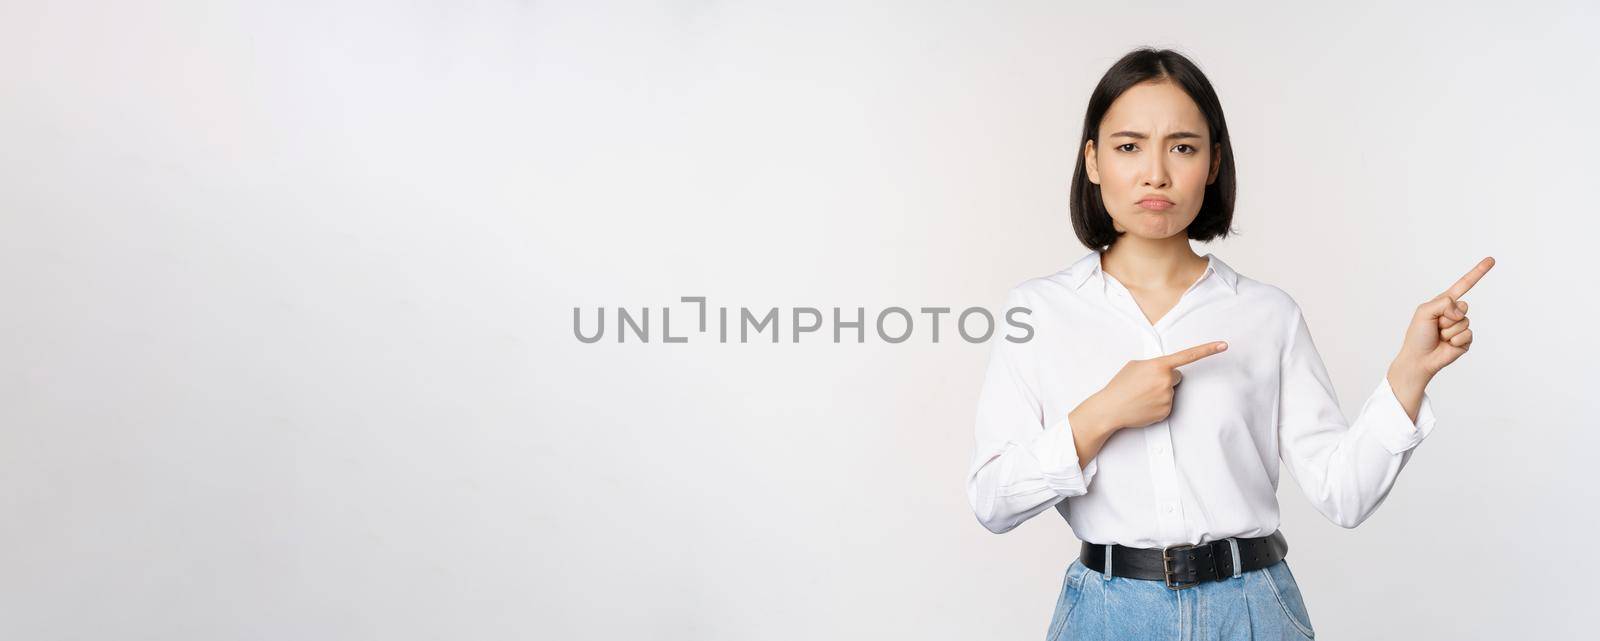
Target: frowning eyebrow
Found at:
x=1172, y=136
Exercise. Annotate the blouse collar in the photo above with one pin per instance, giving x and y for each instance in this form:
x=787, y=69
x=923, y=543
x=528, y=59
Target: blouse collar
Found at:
x=1089, y=266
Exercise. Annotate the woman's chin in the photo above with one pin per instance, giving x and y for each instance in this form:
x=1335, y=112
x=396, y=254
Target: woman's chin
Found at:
x=1156, y=230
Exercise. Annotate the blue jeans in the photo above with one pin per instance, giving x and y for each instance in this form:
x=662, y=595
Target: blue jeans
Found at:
x=1259, y=604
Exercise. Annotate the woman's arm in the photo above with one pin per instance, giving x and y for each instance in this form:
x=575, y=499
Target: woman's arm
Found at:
x=1345, y=468
x=1021, y=466
x=1090, y=429
x=1408, y=388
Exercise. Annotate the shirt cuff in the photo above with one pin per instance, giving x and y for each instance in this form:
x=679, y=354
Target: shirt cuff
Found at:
x=1057, y=454
x=1394, y=427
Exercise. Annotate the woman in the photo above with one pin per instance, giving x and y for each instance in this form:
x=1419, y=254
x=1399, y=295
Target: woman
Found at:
x=1166, y=466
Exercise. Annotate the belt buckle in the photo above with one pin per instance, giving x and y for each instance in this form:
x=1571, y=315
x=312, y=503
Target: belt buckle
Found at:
x=1166, y=567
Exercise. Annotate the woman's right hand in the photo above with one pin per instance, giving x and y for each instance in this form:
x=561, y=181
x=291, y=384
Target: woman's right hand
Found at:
x=1141, y=393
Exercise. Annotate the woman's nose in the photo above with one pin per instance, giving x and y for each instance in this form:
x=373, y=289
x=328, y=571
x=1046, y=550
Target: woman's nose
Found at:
x=1155, y=173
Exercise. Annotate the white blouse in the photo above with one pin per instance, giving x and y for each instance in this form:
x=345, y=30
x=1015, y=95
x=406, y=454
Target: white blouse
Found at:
x=1208, y=471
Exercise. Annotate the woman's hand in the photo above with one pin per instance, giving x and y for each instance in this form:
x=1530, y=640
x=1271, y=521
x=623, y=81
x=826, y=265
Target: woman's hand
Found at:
x=1439, y=332
x=1141, y=392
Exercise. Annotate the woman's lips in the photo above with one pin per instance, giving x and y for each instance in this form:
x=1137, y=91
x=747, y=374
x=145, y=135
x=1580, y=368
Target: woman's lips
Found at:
x=1155, y=205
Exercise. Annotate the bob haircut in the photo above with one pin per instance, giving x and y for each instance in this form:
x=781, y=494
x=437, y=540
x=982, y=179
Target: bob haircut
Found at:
x=1089, y=218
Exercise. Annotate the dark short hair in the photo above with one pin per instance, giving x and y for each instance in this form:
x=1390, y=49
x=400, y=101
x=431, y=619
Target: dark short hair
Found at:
x=1089, y=217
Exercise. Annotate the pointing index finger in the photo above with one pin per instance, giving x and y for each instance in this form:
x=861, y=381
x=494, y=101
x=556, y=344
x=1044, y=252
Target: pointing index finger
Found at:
x=1460, y=288
x=1185, y=357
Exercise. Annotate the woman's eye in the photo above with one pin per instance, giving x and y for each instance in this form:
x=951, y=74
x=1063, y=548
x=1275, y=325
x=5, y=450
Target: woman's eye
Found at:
x=1182, y=149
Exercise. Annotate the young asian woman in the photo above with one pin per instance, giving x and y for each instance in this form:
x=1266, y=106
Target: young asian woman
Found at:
x=1163, y=390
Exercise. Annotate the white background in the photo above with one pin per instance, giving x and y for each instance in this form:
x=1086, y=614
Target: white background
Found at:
x=286, y=347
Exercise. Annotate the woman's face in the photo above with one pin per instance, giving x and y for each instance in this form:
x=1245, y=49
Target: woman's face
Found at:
x=1155, y=146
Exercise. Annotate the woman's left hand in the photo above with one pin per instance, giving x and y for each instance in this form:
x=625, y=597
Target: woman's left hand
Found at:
x=1438, y=334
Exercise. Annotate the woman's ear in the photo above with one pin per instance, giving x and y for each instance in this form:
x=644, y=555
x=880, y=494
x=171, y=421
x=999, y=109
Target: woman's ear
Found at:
x=1089, y=165
x=1216, y=162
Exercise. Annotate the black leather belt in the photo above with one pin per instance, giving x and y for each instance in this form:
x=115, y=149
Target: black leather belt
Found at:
x=1185, y=566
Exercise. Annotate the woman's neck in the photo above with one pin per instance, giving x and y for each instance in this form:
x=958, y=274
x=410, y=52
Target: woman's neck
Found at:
x=1145, y=264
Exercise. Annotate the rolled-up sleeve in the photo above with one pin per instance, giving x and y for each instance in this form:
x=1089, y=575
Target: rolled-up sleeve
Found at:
x=1345, y=468
x=1021, y=467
